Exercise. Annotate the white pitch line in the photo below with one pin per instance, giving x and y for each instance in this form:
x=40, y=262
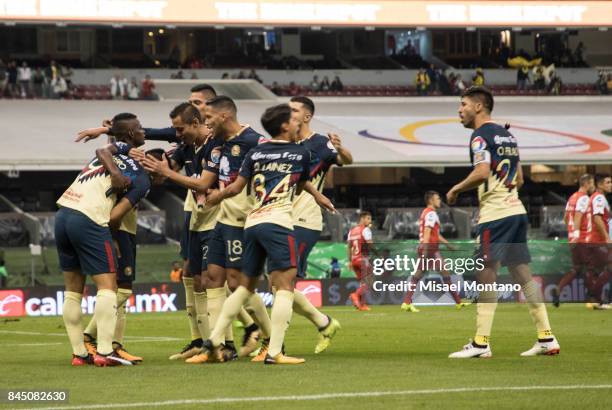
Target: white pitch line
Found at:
x=325, y=396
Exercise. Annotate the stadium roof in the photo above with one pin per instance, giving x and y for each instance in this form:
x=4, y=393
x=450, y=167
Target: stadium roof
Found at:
x=38, y=135
x=381, y=13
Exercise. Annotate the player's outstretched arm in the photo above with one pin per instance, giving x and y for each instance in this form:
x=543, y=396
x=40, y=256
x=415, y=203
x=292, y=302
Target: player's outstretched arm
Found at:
x=91, y=133
x=202, y=184
x=321, y=199
x=344, y=156
x=479, y=175
x=119, y=182
x=233, y=189
x=154, y=134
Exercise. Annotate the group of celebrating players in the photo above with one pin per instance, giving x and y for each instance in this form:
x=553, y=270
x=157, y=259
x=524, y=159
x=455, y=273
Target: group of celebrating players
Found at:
x=253, y=204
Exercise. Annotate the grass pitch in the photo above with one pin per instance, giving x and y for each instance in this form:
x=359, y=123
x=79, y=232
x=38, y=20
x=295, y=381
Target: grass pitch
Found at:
x=380, y=359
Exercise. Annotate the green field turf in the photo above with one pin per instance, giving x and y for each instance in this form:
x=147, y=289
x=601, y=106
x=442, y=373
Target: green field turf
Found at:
x=384, y=350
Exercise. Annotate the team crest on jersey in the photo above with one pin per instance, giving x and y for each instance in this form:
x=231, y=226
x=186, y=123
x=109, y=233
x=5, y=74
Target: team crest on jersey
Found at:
x=236, y=150
x=127, y=271
x=478, y=144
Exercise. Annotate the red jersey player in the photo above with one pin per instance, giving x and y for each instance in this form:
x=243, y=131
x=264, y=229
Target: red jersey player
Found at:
x=599, y=240
x=429, y=249
x=577, y=223
x=359, y=243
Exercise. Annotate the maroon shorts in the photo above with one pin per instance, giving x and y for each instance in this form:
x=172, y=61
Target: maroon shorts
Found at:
x=598, y=256
x=361, y=267
x=580, y=256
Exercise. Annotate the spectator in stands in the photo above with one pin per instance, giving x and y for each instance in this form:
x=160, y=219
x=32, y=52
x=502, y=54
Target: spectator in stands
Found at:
x=325, y=85
x=433, y=78
x=579, y=55
x=253, y=76
x=335, y=269
x=179, y=75
x=147, y=89
x=479, y=78
x=133, y=92
x=241, y=75
x=539, y=80
x=522, y=78
x=336, y=85
x=457, y=84
x=609, y=83
x=67, y=73
x=422, y=82
x=38, y=83
x=555, y=84
x=50, y=75
x=225, y=76
x=3, y=272
x=443, y=83
x=59, y=87
x=602, y=82
x=275, y=88
x=176, y=274
x=118, y=86
x=12, y=79
x=194, y=75
x=315, y=85
x=293, y=89
x=25, y=75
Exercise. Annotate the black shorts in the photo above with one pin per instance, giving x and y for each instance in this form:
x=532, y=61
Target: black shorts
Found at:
x=270, y=242
x=306, y=240
x=126, y=261
x=184, y=252
x=505, y=240
x=225, y=246
x=83, y=245
x=198, y=252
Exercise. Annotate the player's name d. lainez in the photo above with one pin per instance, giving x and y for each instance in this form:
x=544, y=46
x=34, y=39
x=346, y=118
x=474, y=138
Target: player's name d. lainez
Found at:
x=433, y=286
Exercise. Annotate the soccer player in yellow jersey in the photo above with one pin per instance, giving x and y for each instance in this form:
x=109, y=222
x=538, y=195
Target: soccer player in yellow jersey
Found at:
x=502, y=224
x=89, y=210
x=274, y=171
x=325, y=151
x=225, y=244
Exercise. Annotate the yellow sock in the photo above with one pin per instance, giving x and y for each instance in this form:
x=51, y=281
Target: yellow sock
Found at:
x=243, y=315
x=303, y=307
x=485, y=312
x=537, y=309
x=106, y=318
x=189, y=306
x=216, y=299
x=122, y=296
x=230, y=309
x=281, y=316
x=72, y=320
x=201, y=308
x=256, y=305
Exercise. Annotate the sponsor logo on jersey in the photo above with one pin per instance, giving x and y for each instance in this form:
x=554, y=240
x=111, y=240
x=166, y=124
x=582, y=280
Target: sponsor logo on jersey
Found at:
x=235, y=150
